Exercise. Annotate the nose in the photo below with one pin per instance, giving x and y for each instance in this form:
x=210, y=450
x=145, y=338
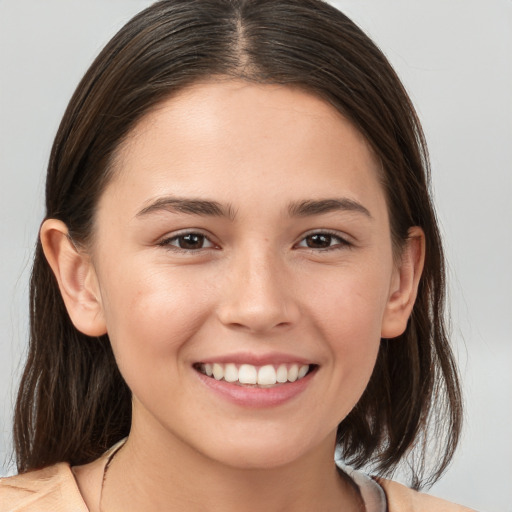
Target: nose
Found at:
x=259, y=294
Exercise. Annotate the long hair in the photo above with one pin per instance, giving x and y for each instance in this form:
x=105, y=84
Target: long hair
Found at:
x=72, y=402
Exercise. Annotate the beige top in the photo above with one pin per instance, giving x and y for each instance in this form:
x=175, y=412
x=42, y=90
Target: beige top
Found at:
x=54, y=489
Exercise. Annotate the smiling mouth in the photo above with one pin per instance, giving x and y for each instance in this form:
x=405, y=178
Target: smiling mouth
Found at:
x=255, y=376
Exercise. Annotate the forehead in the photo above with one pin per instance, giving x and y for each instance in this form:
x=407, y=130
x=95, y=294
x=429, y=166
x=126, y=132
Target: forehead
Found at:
x=234, y=139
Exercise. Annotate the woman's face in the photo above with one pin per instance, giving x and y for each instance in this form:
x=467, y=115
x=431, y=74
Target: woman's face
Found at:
x=244, y=233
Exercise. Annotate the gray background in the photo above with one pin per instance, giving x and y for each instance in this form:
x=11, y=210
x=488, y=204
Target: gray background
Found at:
x=455, y=58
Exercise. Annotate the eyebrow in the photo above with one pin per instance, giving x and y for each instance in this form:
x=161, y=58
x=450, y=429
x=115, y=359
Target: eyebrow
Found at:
x=312, y=207
x=209, y=208
x=191, y=206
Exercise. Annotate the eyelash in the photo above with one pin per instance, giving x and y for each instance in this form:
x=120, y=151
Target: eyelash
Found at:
x=342, y=243
x=333, y=236
x=167, y=242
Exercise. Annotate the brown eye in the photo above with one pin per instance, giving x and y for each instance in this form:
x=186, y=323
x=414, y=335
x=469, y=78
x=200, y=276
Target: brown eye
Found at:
x=323, y=241
x=188, y=242
x=191, y=241
x=319, y=241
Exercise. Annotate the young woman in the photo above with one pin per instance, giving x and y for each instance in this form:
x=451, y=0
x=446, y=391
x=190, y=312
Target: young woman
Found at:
x=239, y=272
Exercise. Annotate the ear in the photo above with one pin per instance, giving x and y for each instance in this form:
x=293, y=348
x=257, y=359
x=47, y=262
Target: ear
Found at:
x=404, y=285
x=76, y=277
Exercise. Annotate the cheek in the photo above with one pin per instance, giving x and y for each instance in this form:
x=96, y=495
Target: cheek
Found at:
x=150, y=316
x=347, y=312
x=350, y=305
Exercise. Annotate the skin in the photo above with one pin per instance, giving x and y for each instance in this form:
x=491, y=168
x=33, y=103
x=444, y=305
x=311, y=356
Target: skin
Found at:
x=254, y=287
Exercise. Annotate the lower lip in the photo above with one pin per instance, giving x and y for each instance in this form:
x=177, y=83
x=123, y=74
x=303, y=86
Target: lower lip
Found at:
x=257, y=397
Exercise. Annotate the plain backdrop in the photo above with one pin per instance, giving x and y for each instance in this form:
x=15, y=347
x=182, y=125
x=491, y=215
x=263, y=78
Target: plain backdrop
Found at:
x=455, y=58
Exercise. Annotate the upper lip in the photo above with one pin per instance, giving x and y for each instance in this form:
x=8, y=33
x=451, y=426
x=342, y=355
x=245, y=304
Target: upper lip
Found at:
x=274, y=358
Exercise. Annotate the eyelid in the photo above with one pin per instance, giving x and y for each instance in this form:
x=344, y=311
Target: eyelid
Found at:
x=342, y=237
x=344, y=240
x=166, y=239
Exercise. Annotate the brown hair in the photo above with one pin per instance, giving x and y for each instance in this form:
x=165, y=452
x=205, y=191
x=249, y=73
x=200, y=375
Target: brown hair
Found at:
x=73, y=403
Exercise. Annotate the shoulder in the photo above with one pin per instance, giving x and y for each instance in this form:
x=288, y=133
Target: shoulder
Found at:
x=52, y=489
x=402, y=499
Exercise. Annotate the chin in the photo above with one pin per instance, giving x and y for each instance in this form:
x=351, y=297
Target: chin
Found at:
x=260, y=454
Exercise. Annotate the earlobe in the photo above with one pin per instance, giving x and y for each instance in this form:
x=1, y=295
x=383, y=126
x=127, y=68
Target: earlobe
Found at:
x=76, y=278
x=405, y=284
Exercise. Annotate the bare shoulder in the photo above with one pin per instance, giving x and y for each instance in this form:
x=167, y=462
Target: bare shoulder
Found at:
x=402, y=499
x=50, y=489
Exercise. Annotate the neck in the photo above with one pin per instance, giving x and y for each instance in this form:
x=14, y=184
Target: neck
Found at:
x=147, y=475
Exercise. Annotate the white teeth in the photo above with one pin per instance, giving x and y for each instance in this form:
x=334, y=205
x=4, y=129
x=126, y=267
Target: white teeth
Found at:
x=303, y=370
x=230, y=373
x=218, y=371
x=293, y=372
x=282, y=373
x=267, y=375
x=247, y=374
